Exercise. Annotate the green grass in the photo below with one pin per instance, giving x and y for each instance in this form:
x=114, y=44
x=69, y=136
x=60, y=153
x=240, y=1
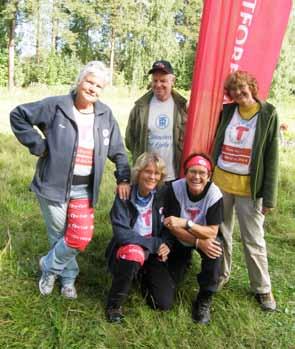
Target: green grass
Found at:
x=120, y=99
x=29, y=320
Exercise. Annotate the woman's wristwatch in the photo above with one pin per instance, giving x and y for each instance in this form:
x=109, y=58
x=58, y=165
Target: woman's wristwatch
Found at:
x=189, y=224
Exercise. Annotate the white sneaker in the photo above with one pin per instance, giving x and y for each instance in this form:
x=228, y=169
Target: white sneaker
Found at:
x=69, y=291
x=47, y=280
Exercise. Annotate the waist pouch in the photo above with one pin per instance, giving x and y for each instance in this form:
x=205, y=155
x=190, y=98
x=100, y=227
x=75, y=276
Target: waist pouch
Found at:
x=132, y=252
x=80, y=223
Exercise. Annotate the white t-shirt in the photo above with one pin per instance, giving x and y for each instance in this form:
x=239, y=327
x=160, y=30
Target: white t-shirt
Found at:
x=195, y=210
x=236, y=151
x=84, y=159
x=160, y=132
x=144, y=222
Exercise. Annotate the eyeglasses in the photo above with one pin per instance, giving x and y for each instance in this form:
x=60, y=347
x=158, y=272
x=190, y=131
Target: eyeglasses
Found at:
x=201, y=174
x=235, y=88
x=152, y=173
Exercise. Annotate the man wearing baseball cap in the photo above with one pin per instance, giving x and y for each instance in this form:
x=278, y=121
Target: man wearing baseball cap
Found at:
x=156, y=122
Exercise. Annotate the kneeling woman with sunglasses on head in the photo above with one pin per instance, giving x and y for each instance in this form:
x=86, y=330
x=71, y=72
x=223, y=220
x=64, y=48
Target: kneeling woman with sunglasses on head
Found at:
x=137, y=244
x=194, y=210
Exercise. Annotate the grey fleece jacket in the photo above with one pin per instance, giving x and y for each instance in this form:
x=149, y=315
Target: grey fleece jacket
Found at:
x=57, y=148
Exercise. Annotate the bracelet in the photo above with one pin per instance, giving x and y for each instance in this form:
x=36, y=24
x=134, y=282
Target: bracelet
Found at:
x=197, y=242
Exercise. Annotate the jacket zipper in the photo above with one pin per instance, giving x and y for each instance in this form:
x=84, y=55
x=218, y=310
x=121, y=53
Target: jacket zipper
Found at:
x=70, y=176
x=258, y=161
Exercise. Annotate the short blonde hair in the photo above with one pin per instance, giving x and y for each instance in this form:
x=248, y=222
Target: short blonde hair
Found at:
x=241, y=77
x=143, y=161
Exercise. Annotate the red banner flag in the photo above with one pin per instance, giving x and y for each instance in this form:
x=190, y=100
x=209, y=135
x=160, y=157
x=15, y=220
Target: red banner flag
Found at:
x=235, y=34
x=259, y=37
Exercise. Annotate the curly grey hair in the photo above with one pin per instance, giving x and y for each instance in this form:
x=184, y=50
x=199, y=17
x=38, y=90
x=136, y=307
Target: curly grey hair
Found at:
x=96, y=68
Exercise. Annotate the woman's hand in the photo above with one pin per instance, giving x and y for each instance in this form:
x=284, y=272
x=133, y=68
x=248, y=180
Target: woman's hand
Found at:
x=210, y=247
x=123, y=190
x=163, y=252
x=174, y=222
x=266, y=210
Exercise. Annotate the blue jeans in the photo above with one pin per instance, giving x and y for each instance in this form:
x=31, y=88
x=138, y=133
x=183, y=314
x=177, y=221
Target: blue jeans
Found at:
x=61, y=259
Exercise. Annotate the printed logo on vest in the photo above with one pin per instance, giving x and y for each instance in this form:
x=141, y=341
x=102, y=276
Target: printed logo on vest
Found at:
x=193, y=213
x=239, y=134
x=162, y=121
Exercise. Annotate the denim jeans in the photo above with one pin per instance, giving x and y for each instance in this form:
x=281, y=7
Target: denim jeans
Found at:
x=61, y=259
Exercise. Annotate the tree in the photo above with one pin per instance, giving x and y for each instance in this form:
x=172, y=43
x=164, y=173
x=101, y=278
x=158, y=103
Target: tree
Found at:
x=9, y=11
x=284, y=77
x=187, y=23
x=150, y=36
x=84, y=24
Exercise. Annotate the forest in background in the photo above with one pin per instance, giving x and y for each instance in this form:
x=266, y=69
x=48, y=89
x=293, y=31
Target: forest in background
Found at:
x=46, y=42
x=128, y=36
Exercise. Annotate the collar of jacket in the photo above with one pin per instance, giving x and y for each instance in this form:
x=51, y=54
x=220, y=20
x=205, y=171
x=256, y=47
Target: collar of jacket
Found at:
x=265, y=112
x=178, y=99
x=133, y=194
x=66, y=105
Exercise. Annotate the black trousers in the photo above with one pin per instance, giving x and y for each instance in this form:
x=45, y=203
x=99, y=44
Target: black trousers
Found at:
x=180, y=259
x=157, y=285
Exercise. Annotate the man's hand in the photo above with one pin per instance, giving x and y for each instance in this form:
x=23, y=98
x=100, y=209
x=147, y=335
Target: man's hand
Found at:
x=123, y=190
x=210, y=247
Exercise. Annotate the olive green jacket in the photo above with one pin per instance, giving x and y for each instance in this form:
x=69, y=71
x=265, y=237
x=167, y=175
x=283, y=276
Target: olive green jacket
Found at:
x=136, y=136
x=264, y=165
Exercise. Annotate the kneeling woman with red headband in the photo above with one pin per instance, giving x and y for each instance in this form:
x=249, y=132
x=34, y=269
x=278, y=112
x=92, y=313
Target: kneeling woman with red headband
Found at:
x=194, y=211
x=138, y=245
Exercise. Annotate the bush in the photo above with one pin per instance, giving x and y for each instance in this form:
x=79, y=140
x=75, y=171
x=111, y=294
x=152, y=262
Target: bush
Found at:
x=3, y=67
x=51, y=70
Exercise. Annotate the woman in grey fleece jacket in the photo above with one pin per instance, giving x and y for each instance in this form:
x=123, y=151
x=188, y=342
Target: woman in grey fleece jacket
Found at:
x=72, y=136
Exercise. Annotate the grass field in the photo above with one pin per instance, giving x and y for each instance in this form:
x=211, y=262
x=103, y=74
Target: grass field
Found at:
x=120, y=99
x=29, y=320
